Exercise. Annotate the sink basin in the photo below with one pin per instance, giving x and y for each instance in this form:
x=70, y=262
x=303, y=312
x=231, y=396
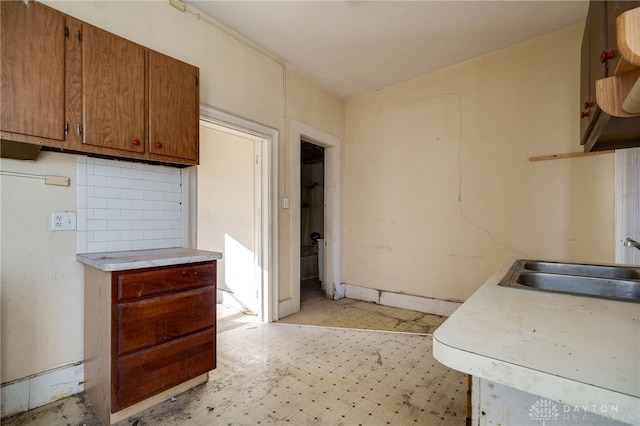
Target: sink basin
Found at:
x=601, y=281
x=585, y=270
x=600, y=287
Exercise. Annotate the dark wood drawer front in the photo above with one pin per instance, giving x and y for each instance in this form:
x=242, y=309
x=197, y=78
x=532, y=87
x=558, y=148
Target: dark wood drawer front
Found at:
x=154, y=370
x=151, y=282
x=160, y=319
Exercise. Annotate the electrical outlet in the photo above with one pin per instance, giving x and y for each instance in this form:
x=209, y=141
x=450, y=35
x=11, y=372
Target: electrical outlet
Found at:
x=63, y=221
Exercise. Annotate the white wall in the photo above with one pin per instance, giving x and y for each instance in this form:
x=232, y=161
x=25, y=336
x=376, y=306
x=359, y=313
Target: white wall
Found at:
x=42, y=288
x=437, y=187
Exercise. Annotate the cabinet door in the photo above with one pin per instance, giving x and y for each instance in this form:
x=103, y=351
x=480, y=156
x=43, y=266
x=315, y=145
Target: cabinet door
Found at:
x=594, y=44
x=596, y=22
x=113, y=77
x=73, y=81
x=615, y=9
x=32, y=79
x=587, y=104
x=173, y=107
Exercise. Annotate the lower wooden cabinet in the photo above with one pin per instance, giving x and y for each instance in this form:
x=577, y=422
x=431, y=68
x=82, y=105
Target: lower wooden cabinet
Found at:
x=147, y=332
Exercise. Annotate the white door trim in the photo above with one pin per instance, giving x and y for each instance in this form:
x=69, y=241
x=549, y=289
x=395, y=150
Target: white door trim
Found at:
x=332, y=285
x=267, y=241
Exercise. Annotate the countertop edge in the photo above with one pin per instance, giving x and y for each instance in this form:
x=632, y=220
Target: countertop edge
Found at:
x=122, y=261
x=561, y=389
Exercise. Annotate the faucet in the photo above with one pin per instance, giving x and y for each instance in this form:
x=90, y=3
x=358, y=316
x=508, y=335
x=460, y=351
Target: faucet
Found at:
x=632, y=243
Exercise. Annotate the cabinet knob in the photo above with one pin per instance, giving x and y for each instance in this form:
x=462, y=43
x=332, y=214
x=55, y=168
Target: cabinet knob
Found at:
x=588, y=104
x=136, y=142
x=584, y=114
x=158, y=145
x=605, y=56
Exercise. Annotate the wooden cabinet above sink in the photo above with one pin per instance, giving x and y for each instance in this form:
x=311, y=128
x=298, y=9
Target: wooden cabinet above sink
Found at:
x=599, y=59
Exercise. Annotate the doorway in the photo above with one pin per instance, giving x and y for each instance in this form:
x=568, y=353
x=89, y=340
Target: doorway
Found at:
x=311, y=218
x=229, y=213
x=331, y=284
x=265, y=226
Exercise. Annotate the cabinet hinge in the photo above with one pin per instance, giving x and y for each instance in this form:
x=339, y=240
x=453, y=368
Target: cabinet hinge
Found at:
x=66, y=127
x=79, y=36
x=79, y=129
x=66, y=32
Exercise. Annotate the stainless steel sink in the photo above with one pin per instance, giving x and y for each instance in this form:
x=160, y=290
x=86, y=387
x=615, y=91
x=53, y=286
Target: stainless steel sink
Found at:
x=584, y=270
x=602, y=281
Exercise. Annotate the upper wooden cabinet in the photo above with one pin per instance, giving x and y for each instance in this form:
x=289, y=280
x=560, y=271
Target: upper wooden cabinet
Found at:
x=599, y=59
x=32, y=83
x=591, y=69
x=69, y=85
x=174, y=108
x=113, y=80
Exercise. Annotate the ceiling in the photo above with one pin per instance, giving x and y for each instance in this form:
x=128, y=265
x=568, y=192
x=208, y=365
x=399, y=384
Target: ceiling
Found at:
x=356, y=47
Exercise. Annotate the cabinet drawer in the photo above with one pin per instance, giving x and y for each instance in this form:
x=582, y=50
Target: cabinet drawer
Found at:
x=151, y=282
x=152, y=371
x=157, y=320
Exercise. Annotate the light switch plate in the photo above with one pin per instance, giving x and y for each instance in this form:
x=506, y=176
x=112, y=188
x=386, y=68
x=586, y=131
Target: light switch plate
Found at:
x=63, y=221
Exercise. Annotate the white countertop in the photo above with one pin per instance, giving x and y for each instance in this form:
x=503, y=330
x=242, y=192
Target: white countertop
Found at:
x=137, y=259
x=577, y=350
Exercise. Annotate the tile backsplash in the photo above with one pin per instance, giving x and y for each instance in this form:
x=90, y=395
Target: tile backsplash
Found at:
x=127, y=206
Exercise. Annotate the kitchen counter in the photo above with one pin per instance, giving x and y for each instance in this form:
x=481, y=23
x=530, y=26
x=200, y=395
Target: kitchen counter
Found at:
x=150, y=326
x=138, y=259
x=580, y=351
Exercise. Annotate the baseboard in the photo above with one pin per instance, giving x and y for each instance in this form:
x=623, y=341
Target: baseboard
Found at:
x=33, y=391
x=426, y=305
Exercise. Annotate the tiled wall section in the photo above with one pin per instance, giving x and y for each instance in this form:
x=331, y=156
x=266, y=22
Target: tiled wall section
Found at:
x=127, y=206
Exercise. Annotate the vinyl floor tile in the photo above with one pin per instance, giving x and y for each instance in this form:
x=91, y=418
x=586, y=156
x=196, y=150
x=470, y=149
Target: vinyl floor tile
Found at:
x=294, y=374
x=358, y=314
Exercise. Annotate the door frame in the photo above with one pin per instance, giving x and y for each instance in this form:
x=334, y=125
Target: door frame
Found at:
x=332, y=285
x=267, y=225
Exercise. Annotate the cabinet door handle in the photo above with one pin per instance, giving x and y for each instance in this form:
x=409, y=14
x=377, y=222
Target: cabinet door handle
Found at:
x=584, y=114
x=136, y=142
x=588, y=104
x=605, y=56
x=158, y=145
